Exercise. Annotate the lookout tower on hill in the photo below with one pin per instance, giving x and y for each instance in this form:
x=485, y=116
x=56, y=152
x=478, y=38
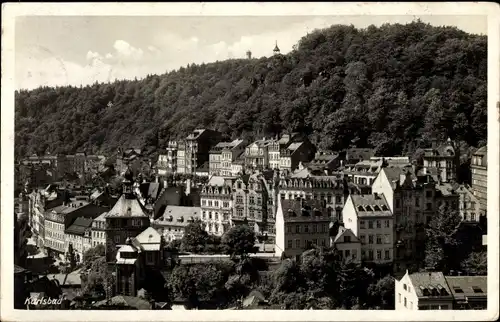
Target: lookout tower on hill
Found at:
x=249, y=54
x=276, y=50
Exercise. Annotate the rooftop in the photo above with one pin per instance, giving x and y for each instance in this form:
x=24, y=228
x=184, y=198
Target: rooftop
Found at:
x=79, y=226
x=178, y=215
x=125, y=207
x=371, y=205
x=429, y=281
x=482, y=151
x=149, y=236
x=304, y=210
x=468, y=286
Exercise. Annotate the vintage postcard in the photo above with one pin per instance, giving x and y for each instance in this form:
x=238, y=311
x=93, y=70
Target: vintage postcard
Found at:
x=264, y=161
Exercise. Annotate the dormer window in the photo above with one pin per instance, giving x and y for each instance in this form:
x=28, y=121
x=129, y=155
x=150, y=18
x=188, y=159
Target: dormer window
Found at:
x=360, y=208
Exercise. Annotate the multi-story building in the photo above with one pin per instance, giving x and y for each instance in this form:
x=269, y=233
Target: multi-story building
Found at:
x=125, y=220
x=229, y=154
x=99, y=230
x=329, y=189
x=217, y=207
x=172, y=224
x=365, y=172
x=250, y=201
x=355, y=155
x=412, y=200
x=193, y=151
x=468, y=205
x=442, y=161
x=325, y=161
x=347, y=244
x=423, y=291
x=274, y=153
x=167, y=163
x=257, y=154
x=135, y=259
x=371, y=220
x=480, y=177
x=41, y=201
x=435, y=291
x=21, y=235
x=295, y=153
x=79, y=236
x=299, y=225
x=238, y=165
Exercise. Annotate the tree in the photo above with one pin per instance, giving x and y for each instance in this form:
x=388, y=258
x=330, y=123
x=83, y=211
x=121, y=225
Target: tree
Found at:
x=195, y=238
x=476, y=263
x=92, y=255
x=98, y=280
x=239, y=241
x=441, y=242
x=382, y=293
x=71, y=257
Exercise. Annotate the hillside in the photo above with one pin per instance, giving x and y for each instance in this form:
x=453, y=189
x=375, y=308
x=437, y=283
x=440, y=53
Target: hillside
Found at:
x=393, y=88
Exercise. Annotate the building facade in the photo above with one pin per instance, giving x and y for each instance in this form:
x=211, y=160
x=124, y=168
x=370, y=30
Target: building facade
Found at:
x=172, y=223
x=299, y=225
x=442, y=161
x=257, y=154
x=348, y=245
x=468, y=205
x=167, y=163
x=250, y=201
x=229, y=155
x=479, y=168
x=79, y=235
x=296, y=153
x=99, y=230
x=193, y=151
x=217, y=207
x=371, y=220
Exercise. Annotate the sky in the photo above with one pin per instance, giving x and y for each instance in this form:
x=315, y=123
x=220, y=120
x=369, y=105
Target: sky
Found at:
x=74, y=50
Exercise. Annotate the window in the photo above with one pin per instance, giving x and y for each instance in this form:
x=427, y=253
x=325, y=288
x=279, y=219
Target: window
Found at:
x=315, y=228
x=225, y=204
x=323, y=242
x=297, y=243
x=404, y=287
x=297, y=229
x=398, y=203
x=354, y=254
x=428, y=194
x=399, y=297
x=306, y=228
x=251, y=200
x=362, y=238
x=362, y=224
x=288, y=229
x=338, y=199
x=216, y=203
x=473, y=216
x=315, y=242
x=477, y=289
x=379, y=224
x=347, y=253
x=209, y=215
x=323, y=228
x=203, y=202
x=428, y=206
x=409, y=288
x=239, y=199
x=370, y=254
x=379, y=254
x=387, y=224
x=370, y=224
x=387, y=239
x=387, y=255
x=117, y=239
x=417, y=202
x=379, y=239
x=370, y=239
x=405, y=302
x=347, y=239
x=290, y=243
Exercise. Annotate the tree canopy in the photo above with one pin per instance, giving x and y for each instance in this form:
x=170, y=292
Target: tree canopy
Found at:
x=393, y=87
x=239, y=241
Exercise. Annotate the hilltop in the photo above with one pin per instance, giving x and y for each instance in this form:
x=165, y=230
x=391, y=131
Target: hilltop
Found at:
x=393, y=87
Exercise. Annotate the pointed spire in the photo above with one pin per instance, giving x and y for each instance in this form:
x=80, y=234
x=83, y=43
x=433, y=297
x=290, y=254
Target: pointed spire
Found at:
x=276, y=49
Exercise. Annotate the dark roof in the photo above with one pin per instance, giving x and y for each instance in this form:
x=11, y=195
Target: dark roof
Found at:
x=19, y=270
x=127, y=208
x=468, y=286
x=371, y=205
x=79, y=226
x=304, y=210
x=204, y=167
x=428, y=280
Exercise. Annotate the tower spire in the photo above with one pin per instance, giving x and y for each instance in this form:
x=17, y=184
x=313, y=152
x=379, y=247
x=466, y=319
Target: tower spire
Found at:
x=276, y=49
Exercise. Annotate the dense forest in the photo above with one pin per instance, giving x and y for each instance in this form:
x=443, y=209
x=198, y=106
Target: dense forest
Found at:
x=393, y=87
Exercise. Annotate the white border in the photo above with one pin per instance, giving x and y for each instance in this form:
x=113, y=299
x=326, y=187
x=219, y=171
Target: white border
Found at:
x=11, y=10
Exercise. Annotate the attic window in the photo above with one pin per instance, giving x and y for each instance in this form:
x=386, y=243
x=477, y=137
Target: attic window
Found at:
x=360, y=208
x=384, y=208
x=457, y=289
x=376, y=208
x=369, y=208
x=424, y=290
x=477, y=289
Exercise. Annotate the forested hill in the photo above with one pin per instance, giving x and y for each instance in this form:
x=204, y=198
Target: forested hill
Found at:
x=389, y=87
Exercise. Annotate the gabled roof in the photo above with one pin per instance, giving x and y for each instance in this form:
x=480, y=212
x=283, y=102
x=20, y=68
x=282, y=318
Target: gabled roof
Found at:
x=482, y=151
x=149, y=236
x=345, y=232
x=125, y=207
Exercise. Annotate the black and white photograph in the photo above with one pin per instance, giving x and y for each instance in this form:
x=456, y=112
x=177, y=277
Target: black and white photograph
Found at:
x=189, y=160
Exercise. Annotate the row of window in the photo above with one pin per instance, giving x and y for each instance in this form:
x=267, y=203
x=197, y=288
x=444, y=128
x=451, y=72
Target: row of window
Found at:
x=99, y=234
x=54, y=244
x=363, y=224
x=376, y=239
x=95, y=243
x=251, y=213
x=307, y=228
x=371, y=255
x=252, y=200
x=55, y=235
x=215, y=203
x=300, y=244
x=327, y=197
